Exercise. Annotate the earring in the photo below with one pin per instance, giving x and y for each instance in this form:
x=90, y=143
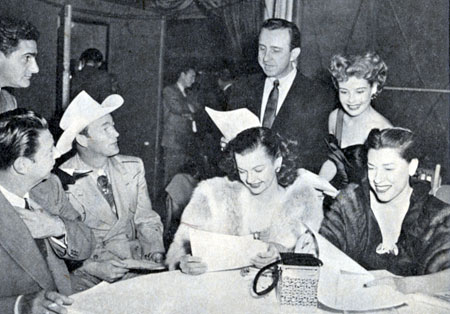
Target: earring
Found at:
x=277, y=170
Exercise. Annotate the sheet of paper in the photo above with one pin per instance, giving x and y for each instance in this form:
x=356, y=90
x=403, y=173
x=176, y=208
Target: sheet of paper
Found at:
x=341, y=283
x=222, y=252
x=335, y=258
x=231, y=123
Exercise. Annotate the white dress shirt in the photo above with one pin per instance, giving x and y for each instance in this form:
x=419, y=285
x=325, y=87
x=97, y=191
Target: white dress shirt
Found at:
x=284, y=87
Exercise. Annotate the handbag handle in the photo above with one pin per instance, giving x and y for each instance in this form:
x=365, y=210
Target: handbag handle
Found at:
x=284, y=258
x=276, y=277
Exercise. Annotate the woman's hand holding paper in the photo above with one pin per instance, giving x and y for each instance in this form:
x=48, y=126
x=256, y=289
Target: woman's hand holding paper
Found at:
x=192, y=265
x=264, y=258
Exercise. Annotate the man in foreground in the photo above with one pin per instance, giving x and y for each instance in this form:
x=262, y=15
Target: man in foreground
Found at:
x=37, y=227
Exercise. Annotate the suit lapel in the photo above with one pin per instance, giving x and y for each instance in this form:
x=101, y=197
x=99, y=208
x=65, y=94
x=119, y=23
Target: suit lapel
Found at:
x=258, y=87
x=87, y=193
x=16, y=239
x=292, y=103
x=120, y=180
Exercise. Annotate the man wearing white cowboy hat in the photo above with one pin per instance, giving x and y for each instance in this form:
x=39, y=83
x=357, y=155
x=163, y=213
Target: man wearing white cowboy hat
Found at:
x=112, y=198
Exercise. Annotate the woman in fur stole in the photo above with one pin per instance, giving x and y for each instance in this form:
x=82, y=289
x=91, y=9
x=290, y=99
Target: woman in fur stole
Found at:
x=263, y=194
x=392, y=222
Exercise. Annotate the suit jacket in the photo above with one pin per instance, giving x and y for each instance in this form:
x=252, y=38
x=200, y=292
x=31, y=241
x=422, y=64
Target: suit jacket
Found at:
x=303, y=116
x=137, y=230
x=23, y=269
x=177, y=129
x=7, y=101
x=98, y=83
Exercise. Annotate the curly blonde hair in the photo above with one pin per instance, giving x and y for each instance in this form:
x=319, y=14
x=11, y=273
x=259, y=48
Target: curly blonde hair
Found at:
x=369, y=66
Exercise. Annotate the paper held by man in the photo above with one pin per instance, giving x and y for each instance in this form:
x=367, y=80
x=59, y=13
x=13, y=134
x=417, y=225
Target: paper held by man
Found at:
x=233, y=122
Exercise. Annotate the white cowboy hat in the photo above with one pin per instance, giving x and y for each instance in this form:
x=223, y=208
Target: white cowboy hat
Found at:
x=80, y=113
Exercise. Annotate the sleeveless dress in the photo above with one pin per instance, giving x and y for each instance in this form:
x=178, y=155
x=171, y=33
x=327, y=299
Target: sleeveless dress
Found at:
x=351, y=161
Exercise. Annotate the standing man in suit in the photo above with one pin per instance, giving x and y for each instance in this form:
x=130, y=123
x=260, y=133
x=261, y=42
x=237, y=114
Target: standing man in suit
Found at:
x=36, y=232
x=179, y=125
x=283, y=98
x=224, y=81
x=18, y=50
x=92, y=78
x=112, y=197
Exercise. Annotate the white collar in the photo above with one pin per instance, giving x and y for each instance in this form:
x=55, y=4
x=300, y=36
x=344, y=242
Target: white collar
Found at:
x=181, y=87
x=227, y=86
x=13, y=198
x=285, y=80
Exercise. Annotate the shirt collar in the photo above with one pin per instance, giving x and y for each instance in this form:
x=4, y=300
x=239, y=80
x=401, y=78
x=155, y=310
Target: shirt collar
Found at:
x=13, y=198
x=285, y=80
x=181, y=87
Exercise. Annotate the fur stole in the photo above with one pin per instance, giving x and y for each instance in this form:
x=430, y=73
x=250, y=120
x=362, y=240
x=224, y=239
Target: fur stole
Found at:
x=218, y=205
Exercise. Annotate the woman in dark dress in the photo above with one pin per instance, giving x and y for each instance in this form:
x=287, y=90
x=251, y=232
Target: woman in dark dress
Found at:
x=390, y=222
x=358, y=79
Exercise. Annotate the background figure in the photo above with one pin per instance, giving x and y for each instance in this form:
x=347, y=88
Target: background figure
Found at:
x=18, y=50
x=179, y=125
x=358, y=79
x=92, y=77
x=225, y=81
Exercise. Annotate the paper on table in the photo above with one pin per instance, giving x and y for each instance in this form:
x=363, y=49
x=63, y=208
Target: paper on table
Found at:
x=222, y=252
x=341, y=283
x=233, y=122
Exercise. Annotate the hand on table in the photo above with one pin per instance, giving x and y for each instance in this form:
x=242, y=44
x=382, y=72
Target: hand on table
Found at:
x=157, y=257
x=110, y=270
x=44, y=302
x=41, y=224
x=192, y=265
x=264, y=258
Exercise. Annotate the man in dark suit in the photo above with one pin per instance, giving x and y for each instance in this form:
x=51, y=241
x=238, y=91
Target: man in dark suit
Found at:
x=179, y=125
x=225, y=82
x=92, y=78
x=284, y=99
x=38, y=226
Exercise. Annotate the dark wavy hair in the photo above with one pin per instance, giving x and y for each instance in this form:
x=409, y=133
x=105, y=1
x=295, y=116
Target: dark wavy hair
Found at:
x=19, y=135
x=14, y=30
x=92, y=54
x=399, y=138
x=369, y=66
x=275, y=146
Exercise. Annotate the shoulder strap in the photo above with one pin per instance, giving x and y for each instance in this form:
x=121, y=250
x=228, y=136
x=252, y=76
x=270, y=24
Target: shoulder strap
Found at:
x=339, y=124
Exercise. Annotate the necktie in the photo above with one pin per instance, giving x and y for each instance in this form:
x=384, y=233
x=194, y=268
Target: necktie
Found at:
x=271, y=107
x=39, y=242
x=106, y=189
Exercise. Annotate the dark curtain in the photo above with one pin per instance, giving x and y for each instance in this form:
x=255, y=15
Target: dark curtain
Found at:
x=242, y=19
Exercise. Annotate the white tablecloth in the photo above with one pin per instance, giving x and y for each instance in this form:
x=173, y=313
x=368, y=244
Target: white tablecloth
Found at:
x=211, y=293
